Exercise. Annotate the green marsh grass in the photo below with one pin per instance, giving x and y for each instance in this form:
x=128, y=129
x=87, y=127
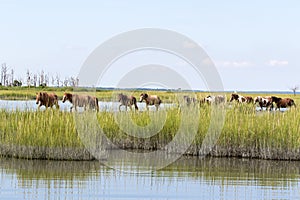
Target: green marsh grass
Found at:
x=246, y=131
x=49, y=128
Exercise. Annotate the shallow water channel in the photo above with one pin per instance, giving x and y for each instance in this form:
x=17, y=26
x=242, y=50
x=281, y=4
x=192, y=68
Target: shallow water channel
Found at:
x=30, y=105
x=187, y=178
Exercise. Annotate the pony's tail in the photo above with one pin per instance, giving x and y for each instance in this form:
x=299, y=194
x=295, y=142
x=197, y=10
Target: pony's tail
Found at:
x=135, y=104
x=56, y=101
x=97, y=105
x=294, y=104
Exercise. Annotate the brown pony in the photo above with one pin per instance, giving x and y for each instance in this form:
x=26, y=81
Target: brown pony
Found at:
x=283, y=102
x=47, y=100
x=84, y=101
x=127, y=101
x=150, y=100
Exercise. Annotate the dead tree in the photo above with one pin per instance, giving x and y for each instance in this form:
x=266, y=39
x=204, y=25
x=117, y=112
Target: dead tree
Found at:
x=294, y=89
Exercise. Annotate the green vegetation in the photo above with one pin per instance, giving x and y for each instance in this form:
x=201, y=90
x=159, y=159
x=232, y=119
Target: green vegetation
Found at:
x=28, y=93
x=49, y=128
x=246, y=132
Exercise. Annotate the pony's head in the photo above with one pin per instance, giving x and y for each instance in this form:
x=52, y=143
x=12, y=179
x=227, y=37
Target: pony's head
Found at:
x=39, y=96
x=234, y=97
x=143, y=96
x=67, y=96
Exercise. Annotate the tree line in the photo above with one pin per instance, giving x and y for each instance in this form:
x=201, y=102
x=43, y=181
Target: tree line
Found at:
x=35, y=79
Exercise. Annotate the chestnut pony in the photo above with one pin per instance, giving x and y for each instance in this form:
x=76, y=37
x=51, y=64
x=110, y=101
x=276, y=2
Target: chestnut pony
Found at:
x=283, y=102
x=47, y=100
x=85, y=101
x=150, y=100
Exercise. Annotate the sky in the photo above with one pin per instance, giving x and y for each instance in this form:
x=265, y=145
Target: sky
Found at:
x=254, y=45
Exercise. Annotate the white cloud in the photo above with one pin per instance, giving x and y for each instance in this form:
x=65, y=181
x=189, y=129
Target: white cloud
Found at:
x=277, y=62
x=234, y=64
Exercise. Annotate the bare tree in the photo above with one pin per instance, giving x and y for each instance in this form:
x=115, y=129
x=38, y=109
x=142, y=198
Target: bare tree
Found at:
x=46, y=79
x=11, y=77
x=294, y=89
x=28, y=78
x=3, y=74
x=77, y=82
x=35, y=79
x=66, y=82
x=57, y=78
x=52, y=80
x=73, y=81
x=41, y=78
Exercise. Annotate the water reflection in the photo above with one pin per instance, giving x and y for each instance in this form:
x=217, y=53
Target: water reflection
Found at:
x=189, y=177
x=30, y=105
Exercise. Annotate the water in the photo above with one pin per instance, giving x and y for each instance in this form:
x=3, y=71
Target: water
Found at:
x=30, y=105
x=188, y=178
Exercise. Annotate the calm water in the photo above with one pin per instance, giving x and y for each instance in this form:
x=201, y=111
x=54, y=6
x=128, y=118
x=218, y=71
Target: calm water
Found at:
x=104, y=106
x=188, y=178
x=30, y=105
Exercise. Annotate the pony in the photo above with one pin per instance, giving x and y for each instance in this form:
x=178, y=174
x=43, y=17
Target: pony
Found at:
x=189, y=100
x=240, y=98
x=283, y=102
x=264, y=102
x=127, y=101
x=215, y=99
x=47, y=100
x=84, y=101
x=150, y=100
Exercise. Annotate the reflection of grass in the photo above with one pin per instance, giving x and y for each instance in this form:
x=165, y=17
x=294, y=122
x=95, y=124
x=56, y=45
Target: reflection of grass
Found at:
x=28, y=172
x=228, y=171
x=220, y=171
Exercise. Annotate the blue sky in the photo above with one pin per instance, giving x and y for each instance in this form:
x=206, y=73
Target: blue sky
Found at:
x=255, y=45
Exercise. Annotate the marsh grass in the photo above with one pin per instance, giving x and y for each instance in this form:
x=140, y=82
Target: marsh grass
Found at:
x=29, y=93
x=49, y=128
x=246, y=131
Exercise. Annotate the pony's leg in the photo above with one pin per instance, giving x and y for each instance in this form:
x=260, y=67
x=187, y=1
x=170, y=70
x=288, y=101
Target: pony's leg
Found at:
x=97, y=107
x=136, y=107
x=272, y=107
x=261, y=106
x=120, y=107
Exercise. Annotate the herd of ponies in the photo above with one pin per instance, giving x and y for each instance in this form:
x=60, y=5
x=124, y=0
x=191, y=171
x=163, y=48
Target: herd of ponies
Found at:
x=91, y=103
